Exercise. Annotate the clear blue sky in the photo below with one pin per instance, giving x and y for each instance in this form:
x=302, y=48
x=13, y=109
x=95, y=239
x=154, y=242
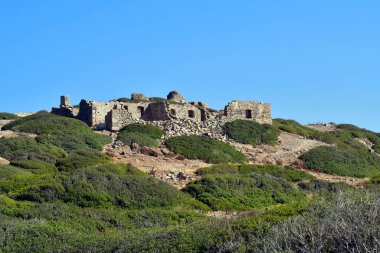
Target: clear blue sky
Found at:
x=315, y=61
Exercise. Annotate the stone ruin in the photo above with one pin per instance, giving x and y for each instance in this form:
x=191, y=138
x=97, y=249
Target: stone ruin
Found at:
x=115, y=114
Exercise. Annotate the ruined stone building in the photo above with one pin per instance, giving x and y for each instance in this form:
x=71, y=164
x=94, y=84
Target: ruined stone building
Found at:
x=115, y=114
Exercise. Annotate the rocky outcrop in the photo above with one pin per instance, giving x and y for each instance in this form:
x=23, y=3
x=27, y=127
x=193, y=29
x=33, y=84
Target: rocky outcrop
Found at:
x=138, y=96
x=176, y=97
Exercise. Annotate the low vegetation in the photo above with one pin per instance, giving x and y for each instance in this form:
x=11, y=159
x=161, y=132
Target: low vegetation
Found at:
x=205, y=148
x=66, y=133
x=8, y=116
x=250, y=132
x=147, y=129
x=294, y=127
x=144, y=135
x=348, y=156
x=61, y=194
x=244, y=187
x=333, y=160
x=349, y=222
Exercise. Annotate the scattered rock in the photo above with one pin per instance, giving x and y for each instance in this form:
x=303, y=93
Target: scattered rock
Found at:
x=180, y=157
x=135, y=146
x=7, y=134
x=182, y=176
x=149, y=151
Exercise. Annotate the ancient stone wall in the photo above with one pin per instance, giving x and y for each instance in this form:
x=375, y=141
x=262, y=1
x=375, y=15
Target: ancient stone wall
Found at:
x=65, y=101
x=184, y=111
x=249, y=110
x=116, y=119
x=114, y=115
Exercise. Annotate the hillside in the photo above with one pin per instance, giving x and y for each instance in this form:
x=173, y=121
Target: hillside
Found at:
x=67, y=188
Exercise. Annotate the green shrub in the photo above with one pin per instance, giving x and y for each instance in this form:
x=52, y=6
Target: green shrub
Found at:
x=205, y=148
x=82, y=159
x=294, y=127
x=250, y=132
x=26, y=148
x=349, y=157
x=8, y=116
x=334, y=160
x=67, y=133
x=245, y=187
x=374, y=182
x=128, y=138
x=287, y=173
x=152, y=131
x=124, y=100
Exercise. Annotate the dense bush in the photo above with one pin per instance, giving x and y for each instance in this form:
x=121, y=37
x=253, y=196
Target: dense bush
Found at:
x=349, y=223
x=294, y=127
x=81, y=159
x=245, y=187
x=333, y=160
x=374, y=182
x=8, y=116
x=148, y=129
x=28, y=148
x=63, y=132
x=141, y=139
x=349, y=157
x=205, y=148
x=250, y=132
x=144, y=135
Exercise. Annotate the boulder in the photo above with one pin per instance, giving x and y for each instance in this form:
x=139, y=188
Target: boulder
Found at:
x=4, y=161
x=138, y=96
x=135, y=146
x=182, y=176
x=167, y=153
x=149, y=151
x=176, y=97
x=181, y=158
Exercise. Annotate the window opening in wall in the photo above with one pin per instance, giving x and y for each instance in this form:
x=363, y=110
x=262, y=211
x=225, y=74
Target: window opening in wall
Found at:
x=203, y=115
x=172, y=112
x=248, y=114
x=125, y=107
x=141, y=109
x=191, y=114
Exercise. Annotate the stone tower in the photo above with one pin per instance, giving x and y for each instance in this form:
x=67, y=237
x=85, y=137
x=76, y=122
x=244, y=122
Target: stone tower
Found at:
x=65, y=101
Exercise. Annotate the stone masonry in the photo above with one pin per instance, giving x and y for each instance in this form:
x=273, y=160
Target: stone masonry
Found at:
x=114, y=115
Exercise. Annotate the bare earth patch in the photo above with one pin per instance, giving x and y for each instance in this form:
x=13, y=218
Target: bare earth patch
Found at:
x=353, y=181
x=7, y=134
x=289, y=147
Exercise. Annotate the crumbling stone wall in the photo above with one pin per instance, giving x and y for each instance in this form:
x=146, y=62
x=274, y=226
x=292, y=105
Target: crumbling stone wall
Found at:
x=65, y=101
x=116, y=119
x=249, y=110
x=114, y=114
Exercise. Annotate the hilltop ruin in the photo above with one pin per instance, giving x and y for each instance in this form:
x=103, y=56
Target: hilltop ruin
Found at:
x=115, y=114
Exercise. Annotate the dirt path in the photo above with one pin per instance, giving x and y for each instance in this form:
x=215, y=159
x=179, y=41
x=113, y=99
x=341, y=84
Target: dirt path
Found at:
x=353, y=181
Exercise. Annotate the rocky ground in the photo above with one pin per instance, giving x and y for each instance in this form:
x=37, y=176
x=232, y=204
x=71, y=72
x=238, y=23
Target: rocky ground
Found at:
x=322, y=127
x=178, y=171
x=11, y=134
x=286, y=152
